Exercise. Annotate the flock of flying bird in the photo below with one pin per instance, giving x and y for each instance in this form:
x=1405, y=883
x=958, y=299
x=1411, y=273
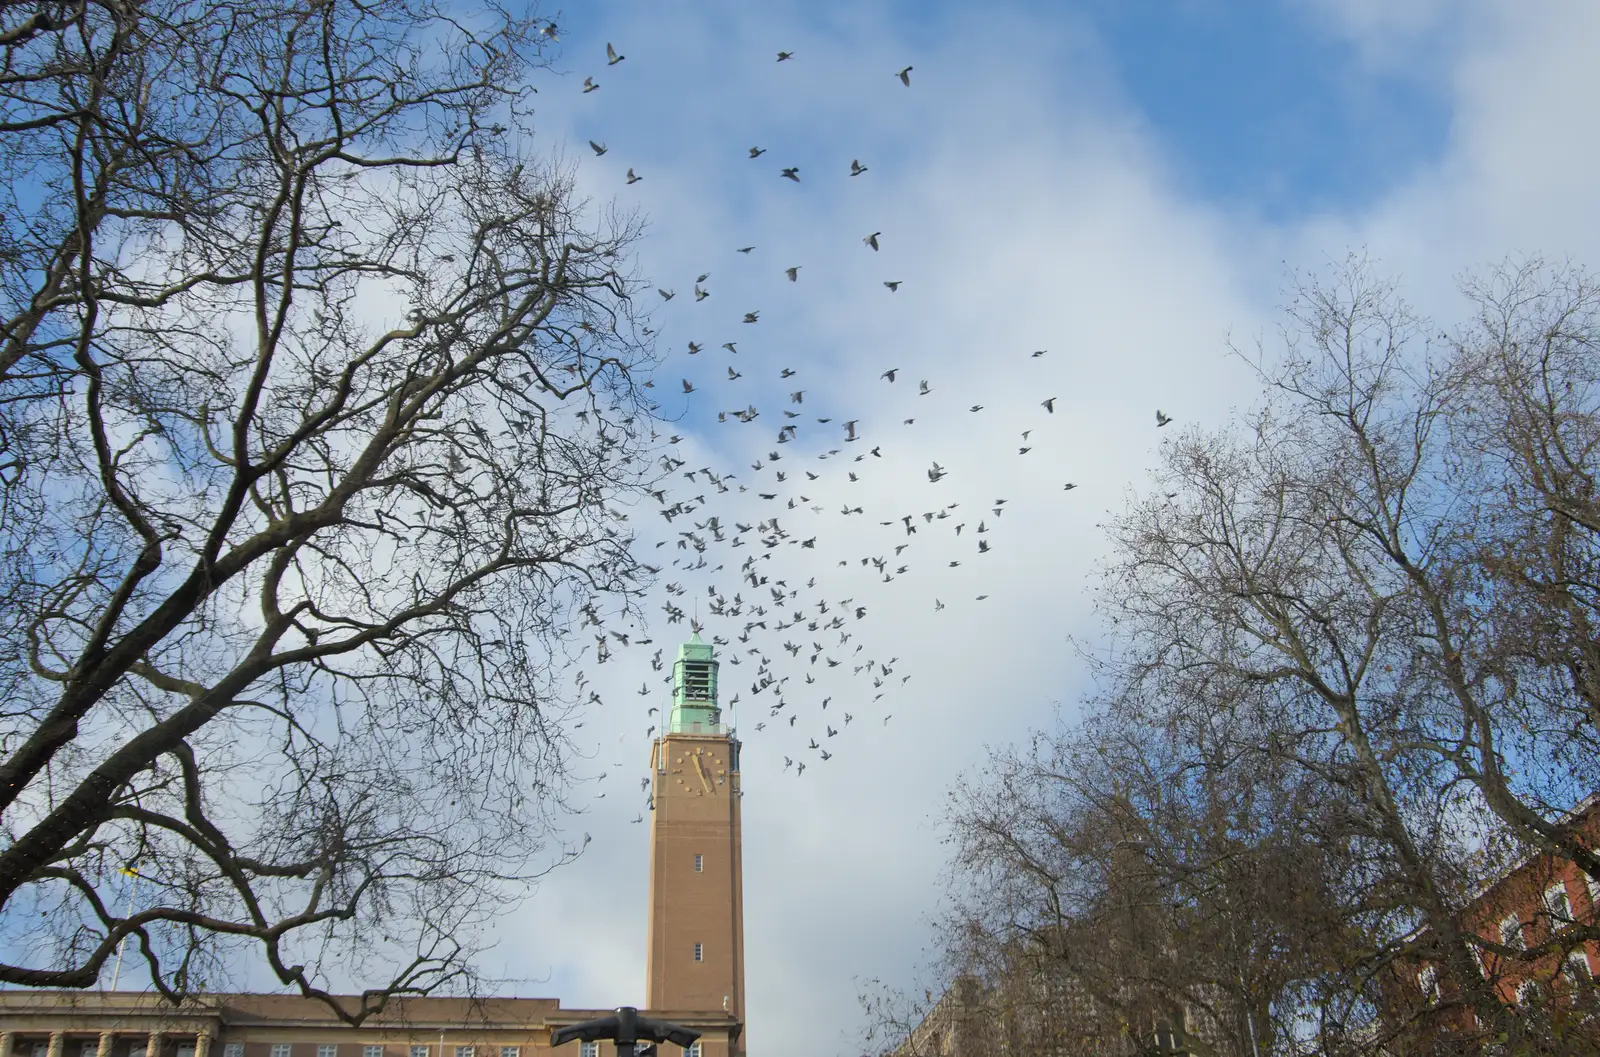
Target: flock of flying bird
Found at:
x=781, y=618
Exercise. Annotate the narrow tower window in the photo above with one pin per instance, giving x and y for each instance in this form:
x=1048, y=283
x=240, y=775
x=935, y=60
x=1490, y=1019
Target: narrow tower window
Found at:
x=699, y=864
x=699, y=953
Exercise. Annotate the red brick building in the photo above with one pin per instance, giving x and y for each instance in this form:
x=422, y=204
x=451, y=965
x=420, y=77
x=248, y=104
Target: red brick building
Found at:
x=1538, y=924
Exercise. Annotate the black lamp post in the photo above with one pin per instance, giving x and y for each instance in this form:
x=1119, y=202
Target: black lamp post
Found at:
x=628, y=1028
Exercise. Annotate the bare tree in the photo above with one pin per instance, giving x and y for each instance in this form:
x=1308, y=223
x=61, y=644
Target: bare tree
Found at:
x=1121, y=879
x=1349, y=677
x=314, y=391
x=1388, y=559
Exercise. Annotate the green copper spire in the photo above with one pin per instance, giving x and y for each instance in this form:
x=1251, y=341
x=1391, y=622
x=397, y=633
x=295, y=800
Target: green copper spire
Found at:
x=694, y=690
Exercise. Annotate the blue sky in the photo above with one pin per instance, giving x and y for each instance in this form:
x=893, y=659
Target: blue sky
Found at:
x=1124, y=183
x=1262, y=109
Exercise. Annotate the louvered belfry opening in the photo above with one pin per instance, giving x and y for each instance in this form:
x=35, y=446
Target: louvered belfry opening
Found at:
x=694, y=690
x=698, y=683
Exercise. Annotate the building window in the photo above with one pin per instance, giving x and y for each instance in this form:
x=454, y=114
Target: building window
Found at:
x=511, y=1051
x=279, y=1049
x=1555, y=901
x=372, y=1051
x=1576, y=967
x=589, y=1049
x=1527, y=992
x=1428, y=983
x=692, y=1050
x=1511, y=931
x=419, y=1051
x=465, y=1051
x=89, y=1049
x=327, y=1049
x=1594, y=890
x=699, y=864
x=186, y=1050
x=1477, y=959
x=233, y=1049
x=699, y=953
x=139, y=1050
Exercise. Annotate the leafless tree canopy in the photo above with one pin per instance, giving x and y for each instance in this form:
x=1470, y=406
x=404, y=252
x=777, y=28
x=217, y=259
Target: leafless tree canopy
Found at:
x=314, y=389
x=1350, y=674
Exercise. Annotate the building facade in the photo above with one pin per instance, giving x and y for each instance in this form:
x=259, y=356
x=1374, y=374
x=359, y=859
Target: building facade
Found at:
x=129, y=1024
x=694, y=968
x=1534, y=947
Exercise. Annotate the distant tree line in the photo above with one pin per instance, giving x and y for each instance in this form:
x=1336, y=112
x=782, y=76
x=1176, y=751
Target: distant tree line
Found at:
x=1351, y=673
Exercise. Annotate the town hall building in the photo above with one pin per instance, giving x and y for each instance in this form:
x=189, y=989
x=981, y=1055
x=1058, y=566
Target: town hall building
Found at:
x=694, y=948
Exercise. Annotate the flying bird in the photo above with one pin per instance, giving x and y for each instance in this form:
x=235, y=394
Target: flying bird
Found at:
x=793, y=273
x=889, y=374
x=850, y=429
x=894, y=286
x=599, y=148
x=872, y=239
x=744, y=249
x=1039, y=352
x=937, y=473
x=785, y=55
x=752, y=317
x=756, y=152
x=589, y=85
x=1049, y=405
x=688, y=387
x=612, y=58
x=792, y=173
x=666, y=295
x=856, y=168
x=1069, y=486
x=922, y=388
x=1161, y=419
x=905, y=76
x=632, y=179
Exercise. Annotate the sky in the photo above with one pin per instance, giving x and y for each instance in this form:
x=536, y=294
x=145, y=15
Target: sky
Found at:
x=1127, y=186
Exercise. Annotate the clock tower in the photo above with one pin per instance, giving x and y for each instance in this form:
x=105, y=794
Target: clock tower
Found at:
x=696, y=948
